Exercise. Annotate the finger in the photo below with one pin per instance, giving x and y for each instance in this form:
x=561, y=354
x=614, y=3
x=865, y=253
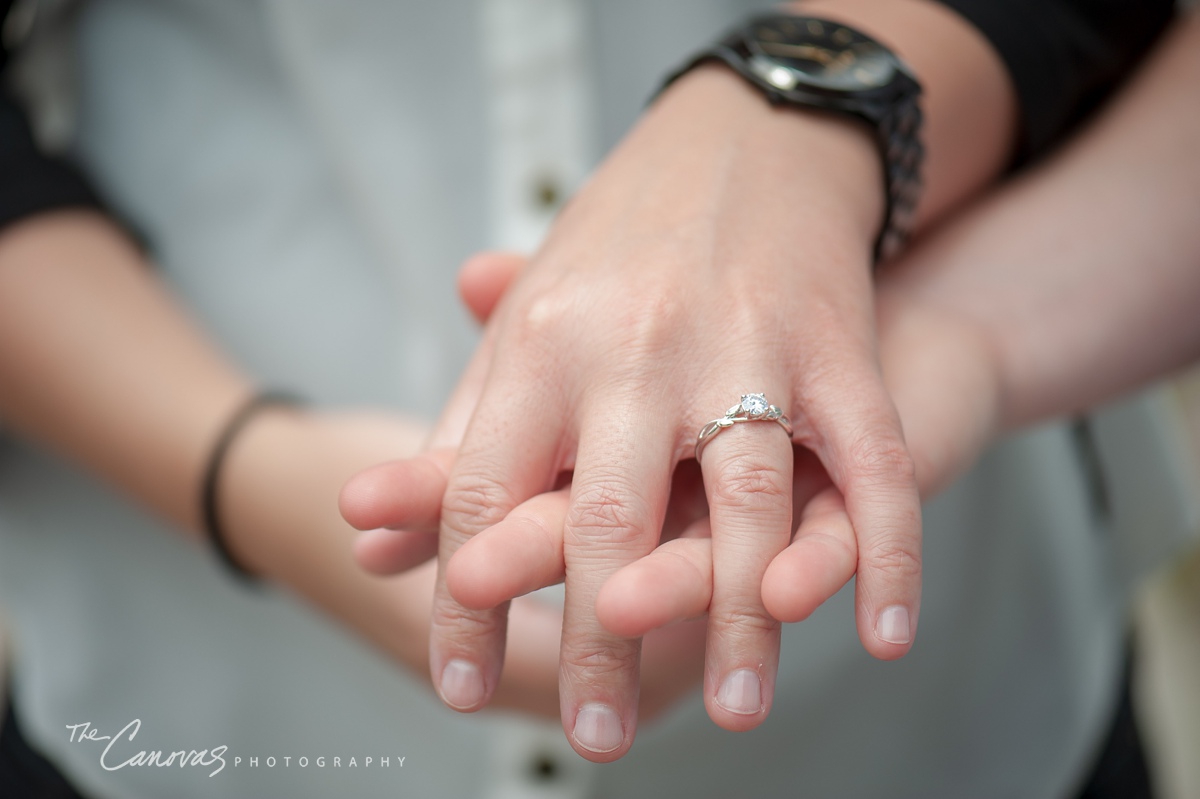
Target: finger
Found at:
x=482, y=283
x=520, y=554
x=821, y=559
x=672, y=583
x=456, y=413
x=748, y=479
x=385, y=552
x=863, y=448
x=618, y=500
x=506, y=457
x=483, y=279
x=404, y=494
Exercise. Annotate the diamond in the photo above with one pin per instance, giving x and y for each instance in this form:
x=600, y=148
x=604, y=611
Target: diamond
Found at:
x=754, y=404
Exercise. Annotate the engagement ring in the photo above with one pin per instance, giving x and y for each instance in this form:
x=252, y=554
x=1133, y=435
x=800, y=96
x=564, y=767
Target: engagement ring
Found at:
x=752, y=408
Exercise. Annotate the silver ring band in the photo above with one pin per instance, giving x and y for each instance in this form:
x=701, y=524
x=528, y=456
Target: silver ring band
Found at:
x=752, y=408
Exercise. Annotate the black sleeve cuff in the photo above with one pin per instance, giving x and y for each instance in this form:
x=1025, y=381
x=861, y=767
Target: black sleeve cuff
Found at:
x=1064, y=56
x=30, y=181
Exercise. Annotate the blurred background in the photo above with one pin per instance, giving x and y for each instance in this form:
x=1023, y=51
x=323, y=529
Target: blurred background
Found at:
x=1167, y=634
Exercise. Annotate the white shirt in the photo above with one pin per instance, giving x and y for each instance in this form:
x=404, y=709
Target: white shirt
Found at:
x=311, y=174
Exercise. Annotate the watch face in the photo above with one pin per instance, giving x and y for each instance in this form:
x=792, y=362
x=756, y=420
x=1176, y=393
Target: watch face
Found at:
x=791, y=51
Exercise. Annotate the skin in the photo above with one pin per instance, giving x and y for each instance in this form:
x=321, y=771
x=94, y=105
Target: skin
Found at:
x=718, y=228
x=998, y=321
x=100, y=364
x=983, y=330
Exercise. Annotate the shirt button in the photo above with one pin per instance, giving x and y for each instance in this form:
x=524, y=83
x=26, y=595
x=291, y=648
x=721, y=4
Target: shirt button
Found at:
x=547, y=193
x=544, y=768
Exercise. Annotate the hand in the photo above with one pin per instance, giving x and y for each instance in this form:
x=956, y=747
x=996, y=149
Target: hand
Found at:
x=279, y=502
x=941, y=367
x=525, y=552
x=716, y=215
x=1001, y=319
x=398, y=504
x=133, y=392
x=664, y=292
x=943, y=373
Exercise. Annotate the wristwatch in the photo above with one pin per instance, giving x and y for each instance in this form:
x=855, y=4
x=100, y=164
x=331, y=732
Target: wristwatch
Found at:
x=817, y=63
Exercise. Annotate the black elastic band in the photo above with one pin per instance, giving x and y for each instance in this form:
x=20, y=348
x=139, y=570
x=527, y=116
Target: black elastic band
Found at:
x=212, y=473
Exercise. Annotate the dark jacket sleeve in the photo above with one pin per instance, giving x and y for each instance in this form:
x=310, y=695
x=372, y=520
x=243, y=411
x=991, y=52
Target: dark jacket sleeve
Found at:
x=1064, y=56
x=30, y=180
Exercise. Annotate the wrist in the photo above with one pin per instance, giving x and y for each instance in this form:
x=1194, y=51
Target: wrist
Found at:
x=258, y=497
x=280, y=485
x=210, y=509
x=280, y=488
x=832, y=159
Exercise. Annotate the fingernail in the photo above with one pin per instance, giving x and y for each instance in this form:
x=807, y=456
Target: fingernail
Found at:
x=893, y=625
x=741, y=692
x=462, y=684
x=598, y=728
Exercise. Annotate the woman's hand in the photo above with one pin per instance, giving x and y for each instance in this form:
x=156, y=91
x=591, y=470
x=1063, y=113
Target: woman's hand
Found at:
x=100, y=364
x=397, y=503
x=279, y=493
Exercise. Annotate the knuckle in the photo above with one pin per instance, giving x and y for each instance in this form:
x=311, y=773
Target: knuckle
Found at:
x=894, y=558
x=631, y=339
x=542, y=323
x=474, y=503
x=748, y=481
x=454, y=622
x=741, y=620
x=607, y=511
x=655, y=321
x=601, y=661
x=546, y=314
x=883, y=457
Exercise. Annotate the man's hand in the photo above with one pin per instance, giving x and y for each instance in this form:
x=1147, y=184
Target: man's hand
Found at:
x=398, y=505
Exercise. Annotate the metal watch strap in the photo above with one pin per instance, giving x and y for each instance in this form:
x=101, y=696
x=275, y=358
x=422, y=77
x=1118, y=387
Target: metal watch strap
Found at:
x=903, y=154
